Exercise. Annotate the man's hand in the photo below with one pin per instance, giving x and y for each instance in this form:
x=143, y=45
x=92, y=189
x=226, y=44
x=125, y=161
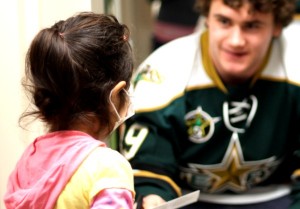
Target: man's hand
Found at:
x=151, y=201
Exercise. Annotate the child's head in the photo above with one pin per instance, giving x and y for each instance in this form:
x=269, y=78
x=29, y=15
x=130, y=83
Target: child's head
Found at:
x=73, y=66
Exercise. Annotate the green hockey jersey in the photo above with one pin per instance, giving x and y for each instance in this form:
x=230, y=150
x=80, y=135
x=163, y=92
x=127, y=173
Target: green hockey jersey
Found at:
x=237, y=144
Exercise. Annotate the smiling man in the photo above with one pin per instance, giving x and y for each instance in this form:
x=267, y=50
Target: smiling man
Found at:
x=239, y=40
x=219, y=111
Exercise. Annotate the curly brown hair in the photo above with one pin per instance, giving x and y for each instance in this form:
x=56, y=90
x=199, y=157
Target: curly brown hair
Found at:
x=283, y=10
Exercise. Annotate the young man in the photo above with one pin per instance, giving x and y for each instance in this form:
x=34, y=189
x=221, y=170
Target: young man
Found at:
x=219, y=111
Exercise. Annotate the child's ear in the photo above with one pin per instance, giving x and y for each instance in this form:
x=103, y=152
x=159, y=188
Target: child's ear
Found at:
x=116, y=91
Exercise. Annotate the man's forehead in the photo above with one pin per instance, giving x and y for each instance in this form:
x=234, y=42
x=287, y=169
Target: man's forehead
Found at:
x=253, y=6
x=245, y=11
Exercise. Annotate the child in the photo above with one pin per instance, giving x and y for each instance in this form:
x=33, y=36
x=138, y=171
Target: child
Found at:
x=78, y=73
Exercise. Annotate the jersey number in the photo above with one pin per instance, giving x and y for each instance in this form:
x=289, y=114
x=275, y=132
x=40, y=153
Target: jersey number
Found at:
x=134, y=139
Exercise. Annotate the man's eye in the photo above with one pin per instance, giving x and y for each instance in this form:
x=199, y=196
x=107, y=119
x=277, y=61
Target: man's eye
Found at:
x=224, y=21
x=252, y=26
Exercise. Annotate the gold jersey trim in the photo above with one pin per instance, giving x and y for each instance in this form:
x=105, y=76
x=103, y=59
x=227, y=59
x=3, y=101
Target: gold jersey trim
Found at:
x=148, y=174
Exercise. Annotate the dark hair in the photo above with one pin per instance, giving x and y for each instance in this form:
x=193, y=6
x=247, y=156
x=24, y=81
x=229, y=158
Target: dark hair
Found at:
x=283, y=10
x=72, y=66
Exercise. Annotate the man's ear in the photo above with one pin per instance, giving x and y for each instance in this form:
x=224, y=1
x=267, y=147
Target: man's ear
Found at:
x=206, y=23
x=115, y=93
x=277, y=30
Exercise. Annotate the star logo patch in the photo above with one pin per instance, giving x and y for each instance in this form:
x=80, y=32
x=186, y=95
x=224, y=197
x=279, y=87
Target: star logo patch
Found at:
x=234, y=173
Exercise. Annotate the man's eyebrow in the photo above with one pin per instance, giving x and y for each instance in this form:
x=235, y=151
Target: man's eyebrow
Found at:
x=250, y=21
x=254, y=21
x=217, y=15
x=221, y=16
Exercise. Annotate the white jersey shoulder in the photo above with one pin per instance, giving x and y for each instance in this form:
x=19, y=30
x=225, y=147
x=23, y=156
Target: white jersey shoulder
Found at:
x=165, y=73
x=292, y=51
x=284, y=62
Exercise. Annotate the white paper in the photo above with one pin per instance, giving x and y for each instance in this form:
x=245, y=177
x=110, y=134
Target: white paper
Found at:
x=181, y=201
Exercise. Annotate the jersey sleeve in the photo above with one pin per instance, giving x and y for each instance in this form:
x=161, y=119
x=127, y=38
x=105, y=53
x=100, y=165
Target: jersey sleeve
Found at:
x=294, y=160
x=152, y=151
x=151, y=140
x=290, y=45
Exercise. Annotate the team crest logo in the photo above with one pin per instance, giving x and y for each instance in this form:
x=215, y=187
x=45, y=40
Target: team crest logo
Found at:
x=238, y=115
x=147, y=74
x=200, y=125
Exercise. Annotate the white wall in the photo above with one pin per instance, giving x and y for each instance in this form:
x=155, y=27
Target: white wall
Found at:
x=20, y=20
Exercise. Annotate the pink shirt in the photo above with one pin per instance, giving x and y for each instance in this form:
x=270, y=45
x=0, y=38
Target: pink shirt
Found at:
x=45, y=168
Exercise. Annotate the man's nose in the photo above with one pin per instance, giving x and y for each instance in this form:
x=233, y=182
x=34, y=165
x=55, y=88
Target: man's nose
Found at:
x=237, y=37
